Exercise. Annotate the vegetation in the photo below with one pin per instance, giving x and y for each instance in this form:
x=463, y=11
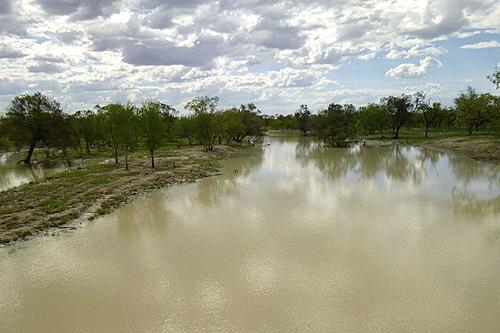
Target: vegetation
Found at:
x=146, y=136
x=472, y=113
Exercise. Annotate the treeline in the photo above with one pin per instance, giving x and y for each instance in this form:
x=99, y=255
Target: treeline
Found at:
x=35, y=121
x=339, y=124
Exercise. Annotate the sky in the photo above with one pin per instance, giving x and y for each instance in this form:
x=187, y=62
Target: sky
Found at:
x=276, y=54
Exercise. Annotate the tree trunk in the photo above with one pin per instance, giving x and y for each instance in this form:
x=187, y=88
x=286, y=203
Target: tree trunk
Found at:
x=30, y=153
x=88, y=148
x=426, y=131
x=152, y=159
x=396, y=133
x=470, y=130
x=116, y=155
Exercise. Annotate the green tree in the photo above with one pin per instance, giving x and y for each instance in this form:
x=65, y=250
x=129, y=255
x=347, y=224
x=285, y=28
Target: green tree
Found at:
x=430, y=115
x=303, y=116
x=401, y=109
x=204, y=109
x=122, y=128
x=63, y=134
x=186, y=128
x=153, y=127
x=472, y=109
x=28, y=120
x=335, y=125
x=373, y=117
x=495, y=78
x=87, y=127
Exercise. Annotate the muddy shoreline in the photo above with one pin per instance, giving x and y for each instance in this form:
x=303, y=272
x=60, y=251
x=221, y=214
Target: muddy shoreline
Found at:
x=71, y=199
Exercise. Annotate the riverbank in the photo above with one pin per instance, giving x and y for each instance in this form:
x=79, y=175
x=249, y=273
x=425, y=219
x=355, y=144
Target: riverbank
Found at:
x=69, y=199
x=477, y=147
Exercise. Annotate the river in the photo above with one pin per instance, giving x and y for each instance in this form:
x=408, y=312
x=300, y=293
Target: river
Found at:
x=292, y=237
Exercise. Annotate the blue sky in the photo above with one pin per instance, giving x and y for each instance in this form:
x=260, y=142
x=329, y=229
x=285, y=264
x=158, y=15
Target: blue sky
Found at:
x=277, y=54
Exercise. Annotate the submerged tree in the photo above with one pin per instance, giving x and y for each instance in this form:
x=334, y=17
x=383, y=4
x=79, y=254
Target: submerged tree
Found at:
x=28, y=120
x=335, y=125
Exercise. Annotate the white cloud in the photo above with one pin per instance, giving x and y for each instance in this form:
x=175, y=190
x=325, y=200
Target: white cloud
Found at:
x=275, y=51
x=410, y=70
x=416, y=51
x=482, y=45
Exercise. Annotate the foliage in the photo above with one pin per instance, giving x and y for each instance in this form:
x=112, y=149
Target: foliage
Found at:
x=303, y=116
x=495, y=78
x=373, y=118
x=29, y=121
x=474, y=109
x=153, y=126
x=335, y=125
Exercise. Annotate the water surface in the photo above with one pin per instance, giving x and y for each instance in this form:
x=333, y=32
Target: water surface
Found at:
x=13, y=174
x=292, y=238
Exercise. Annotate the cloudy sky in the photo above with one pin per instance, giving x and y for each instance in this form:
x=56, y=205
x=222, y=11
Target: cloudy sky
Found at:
x=278, y=54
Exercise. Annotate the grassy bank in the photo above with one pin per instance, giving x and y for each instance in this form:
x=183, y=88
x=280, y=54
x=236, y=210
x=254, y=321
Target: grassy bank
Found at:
x=67, y=199
x=479, y=146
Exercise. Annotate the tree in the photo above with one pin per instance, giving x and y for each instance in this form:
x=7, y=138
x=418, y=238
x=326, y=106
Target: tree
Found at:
x=28, y=120
x=373, y=117
x=472, y=109
x=186, y=128
x=63, y=134
x=430, y=115
x=335, y=125
x=495, y=77
x=303, y=116
x=401, y=109
x=204, y=109
x=202, y=104
x=87, y=127
x=153, y=127
x=122, y=128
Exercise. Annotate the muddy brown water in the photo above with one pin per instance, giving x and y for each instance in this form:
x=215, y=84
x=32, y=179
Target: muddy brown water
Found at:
x=291, y=238
x=13, y=174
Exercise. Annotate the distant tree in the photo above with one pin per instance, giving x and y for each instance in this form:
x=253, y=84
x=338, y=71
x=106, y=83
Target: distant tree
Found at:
x=122, y=128
x=63, y=134
x=401, y=109
x=204, y=109
x=495, y=78
x=472, y=109
x=87, y=127
x=239, y=123
x=186, y=128
x=28, y=120
x=153, y=127
x=430, y=115
x=4, y=141
x=373, y=117
x=203, y=104
x=303, y=116
x=335, y=125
